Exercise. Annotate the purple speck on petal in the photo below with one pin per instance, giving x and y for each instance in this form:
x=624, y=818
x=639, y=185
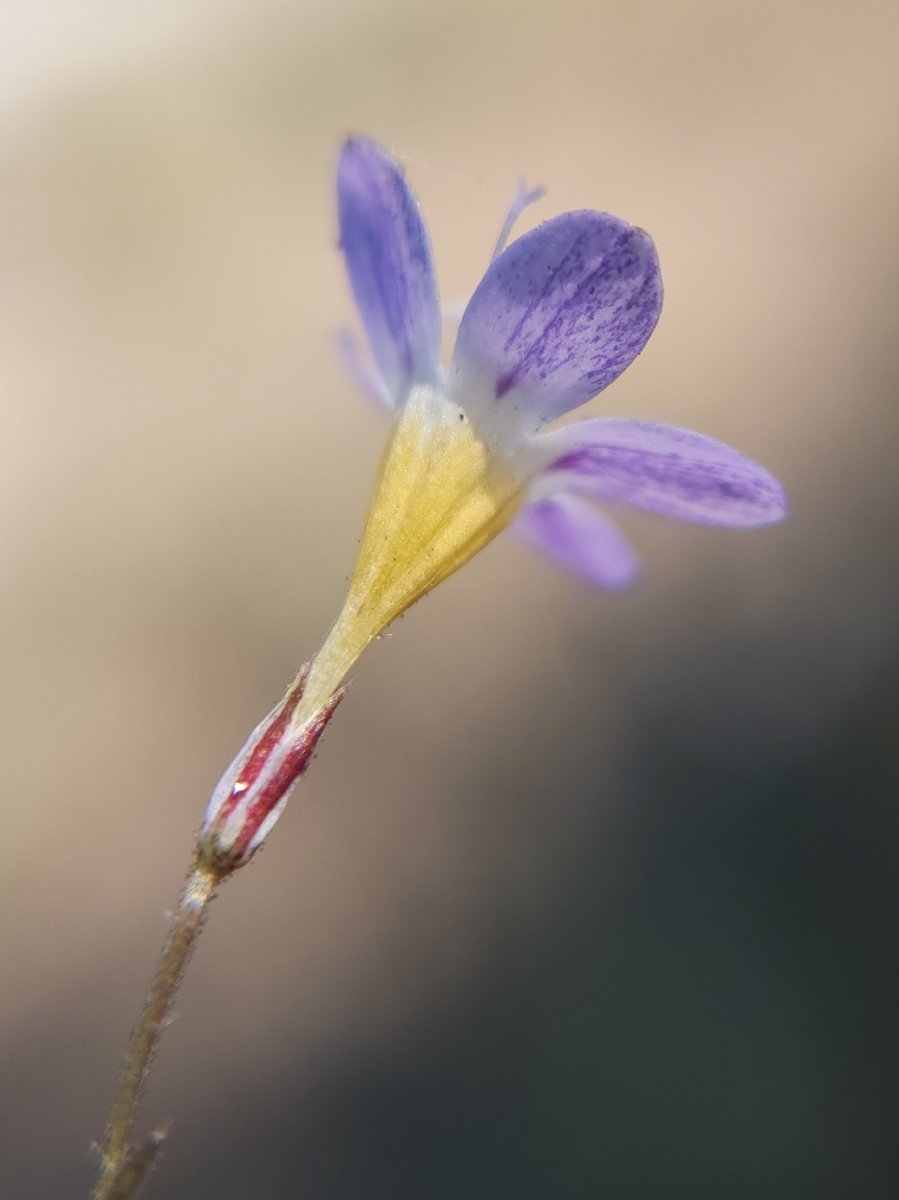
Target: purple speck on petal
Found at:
x=504, y=384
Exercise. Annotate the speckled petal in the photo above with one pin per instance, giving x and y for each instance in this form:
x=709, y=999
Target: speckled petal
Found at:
x=559, y=315
x=665, y=470
x=388, y=257
x=573, y=533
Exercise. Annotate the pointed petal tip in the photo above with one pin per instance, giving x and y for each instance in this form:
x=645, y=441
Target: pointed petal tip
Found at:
x=359, y=150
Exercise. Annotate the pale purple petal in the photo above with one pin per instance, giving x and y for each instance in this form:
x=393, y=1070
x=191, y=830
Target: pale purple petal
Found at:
x=453, y=309
x=361, y=370
x=665, y=470
x=573, y=533
x=560, y=314
x=388, y=257
x=524, y=198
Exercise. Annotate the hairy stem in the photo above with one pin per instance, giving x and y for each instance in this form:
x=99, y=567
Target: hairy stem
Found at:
x=124, y=1165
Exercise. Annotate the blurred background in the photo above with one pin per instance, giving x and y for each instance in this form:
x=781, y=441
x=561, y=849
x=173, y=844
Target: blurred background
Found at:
x=583, y=896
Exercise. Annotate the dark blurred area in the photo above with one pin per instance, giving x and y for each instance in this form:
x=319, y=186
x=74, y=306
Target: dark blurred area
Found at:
x=583, y=896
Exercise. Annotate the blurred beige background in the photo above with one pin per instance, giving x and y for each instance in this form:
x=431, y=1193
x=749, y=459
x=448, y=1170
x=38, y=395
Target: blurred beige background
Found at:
x=583, y=896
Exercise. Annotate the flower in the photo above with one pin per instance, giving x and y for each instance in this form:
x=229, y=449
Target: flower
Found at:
x=557, y=317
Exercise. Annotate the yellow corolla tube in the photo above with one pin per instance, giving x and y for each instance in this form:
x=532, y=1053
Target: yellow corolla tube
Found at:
x=442, y=494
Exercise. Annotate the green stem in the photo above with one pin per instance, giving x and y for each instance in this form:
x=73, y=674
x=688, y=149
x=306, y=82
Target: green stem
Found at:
x=125, y=1166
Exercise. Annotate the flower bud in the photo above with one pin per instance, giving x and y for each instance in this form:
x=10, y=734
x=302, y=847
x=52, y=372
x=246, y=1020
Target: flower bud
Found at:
x=251, y=794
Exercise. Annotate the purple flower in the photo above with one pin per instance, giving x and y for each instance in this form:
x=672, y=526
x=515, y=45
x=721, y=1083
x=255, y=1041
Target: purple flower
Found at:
x=557, y=317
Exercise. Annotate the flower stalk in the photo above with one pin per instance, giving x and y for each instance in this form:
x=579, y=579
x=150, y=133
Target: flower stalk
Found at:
x=126, y=1166
x=243, y=808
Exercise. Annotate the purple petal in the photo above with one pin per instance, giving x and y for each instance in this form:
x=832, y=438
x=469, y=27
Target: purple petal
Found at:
x=524, y=198
x=561, y=313
x=665, y=470
x=388, y=257
x=582, y=539
x=362, y=371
